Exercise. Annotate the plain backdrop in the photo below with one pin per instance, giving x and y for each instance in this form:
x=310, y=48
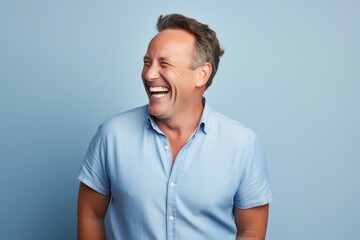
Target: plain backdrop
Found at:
x=291, y=72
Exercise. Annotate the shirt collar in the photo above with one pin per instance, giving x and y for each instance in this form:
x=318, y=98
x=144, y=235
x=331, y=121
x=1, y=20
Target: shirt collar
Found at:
x=150, y=122
x=204, y=120
x=203, y=124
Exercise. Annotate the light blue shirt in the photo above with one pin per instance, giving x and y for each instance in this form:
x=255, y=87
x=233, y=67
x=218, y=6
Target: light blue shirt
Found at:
x=221, y=166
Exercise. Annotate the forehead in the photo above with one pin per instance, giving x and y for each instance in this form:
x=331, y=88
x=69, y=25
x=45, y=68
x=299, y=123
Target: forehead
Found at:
x=171, y=43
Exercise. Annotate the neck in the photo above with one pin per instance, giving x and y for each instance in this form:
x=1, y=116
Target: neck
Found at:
x=179, y=128
x=184, y=123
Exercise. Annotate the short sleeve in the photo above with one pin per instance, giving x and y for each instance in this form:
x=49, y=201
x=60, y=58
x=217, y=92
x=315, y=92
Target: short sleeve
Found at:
x=93, y=170
x=254, y=188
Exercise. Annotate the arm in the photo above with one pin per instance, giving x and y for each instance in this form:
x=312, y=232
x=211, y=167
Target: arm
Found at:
x=251, y=223
x=92, y=207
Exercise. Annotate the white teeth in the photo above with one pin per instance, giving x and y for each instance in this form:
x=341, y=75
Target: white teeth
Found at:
x=158, y=89
x=158, y=95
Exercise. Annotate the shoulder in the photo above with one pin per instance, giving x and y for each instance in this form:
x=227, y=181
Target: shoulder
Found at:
x=129, y=120
x=229, y=128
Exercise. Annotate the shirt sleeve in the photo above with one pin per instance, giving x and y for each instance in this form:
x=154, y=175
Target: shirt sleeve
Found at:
x=93, y=170
x=254, y=188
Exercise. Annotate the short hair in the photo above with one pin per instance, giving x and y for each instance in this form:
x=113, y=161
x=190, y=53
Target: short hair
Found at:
x=207, y=46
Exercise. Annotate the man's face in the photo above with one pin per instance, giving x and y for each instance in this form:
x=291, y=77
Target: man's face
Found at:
x=169, y=82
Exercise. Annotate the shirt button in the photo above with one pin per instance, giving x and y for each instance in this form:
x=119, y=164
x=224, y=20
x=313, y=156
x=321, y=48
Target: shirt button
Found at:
x=171, y=218
x=172, y=184
x=166, y=148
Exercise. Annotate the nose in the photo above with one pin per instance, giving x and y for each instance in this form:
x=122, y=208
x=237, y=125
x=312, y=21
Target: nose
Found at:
x=151, y=72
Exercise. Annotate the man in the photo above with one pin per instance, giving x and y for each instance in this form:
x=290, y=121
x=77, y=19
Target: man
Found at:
x=175, y=169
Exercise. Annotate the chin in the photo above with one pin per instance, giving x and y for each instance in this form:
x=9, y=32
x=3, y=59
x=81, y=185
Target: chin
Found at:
x=154, y=111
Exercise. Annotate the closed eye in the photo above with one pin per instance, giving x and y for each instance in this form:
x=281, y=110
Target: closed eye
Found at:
x=165, y=64
x=147, y=63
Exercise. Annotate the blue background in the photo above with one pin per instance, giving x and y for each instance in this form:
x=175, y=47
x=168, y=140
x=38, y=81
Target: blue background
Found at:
x=291, y=72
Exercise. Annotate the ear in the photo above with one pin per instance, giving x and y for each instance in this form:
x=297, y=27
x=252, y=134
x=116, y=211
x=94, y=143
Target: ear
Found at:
x=203, y=74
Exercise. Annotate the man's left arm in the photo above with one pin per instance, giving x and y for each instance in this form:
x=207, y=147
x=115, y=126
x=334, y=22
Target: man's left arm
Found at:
x=251, y=223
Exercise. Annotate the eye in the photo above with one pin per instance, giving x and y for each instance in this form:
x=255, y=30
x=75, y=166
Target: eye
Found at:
x=164, y=64
x=147, y=62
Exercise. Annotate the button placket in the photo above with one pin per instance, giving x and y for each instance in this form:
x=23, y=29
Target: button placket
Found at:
x=171, y=210
x=172, y=192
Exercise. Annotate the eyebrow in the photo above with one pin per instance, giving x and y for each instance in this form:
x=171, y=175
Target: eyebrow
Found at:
x=160, y=59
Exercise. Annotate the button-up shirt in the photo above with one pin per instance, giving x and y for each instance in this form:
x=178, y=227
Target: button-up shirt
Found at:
x=221, y=167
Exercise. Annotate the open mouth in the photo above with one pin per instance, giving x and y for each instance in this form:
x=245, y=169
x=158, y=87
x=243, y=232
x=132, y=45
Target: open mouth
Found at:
x=158, y=91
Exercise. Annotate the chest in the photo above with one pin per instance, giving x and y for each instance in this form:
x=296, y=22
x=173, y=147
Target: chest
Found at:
x=204, y=175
